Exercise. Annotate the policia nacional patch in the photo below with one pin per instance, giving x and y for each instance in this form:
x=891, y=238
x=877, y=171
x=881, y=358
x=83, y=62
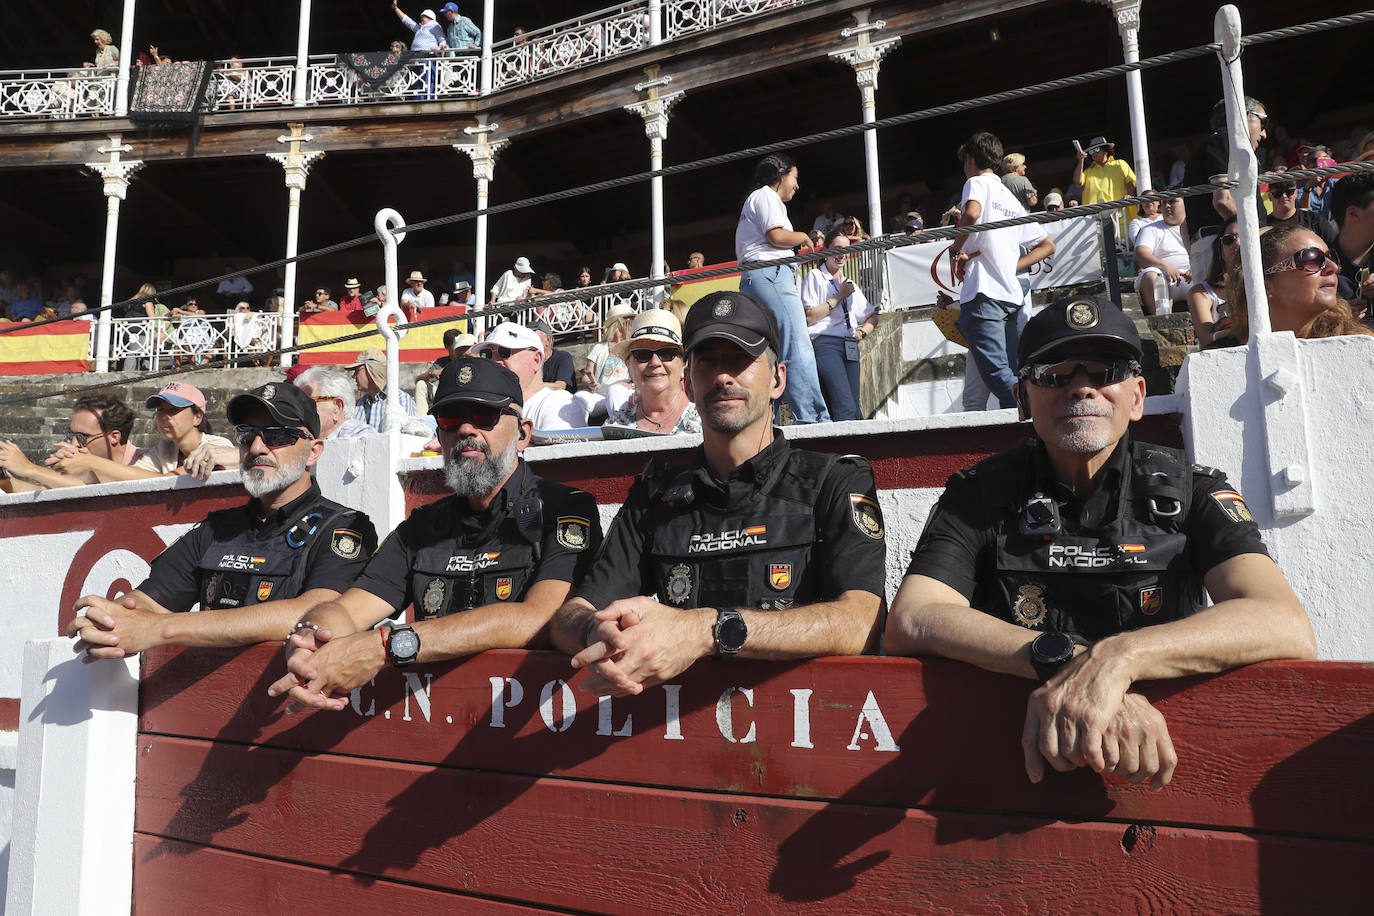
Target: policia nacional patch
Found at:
x=867, y=517
x=1233, y=505
x=572, y=532
x=345, y=543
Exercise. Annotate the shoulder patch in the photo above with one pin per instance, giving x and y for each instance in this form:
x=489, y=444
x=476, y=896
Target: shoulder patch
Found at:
x=1233, y=505
x=573, y=532
x=346, y=543
x=866, y=515
x=1206, y=471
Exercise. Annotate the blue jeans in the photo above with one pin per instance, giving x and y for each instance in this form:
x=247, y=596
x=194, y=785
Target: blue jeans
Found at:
x=776, y=289
x=839, y=378
x=990, y=327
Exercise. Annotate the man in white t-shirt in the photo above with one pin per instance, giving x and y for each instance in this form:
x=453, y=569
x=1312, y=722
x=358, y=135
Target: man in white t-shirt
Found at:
x=829, y=219
x=1160, y=252
x=514, y=284
x=521, y=351
x=987, y=264
x=415, y=295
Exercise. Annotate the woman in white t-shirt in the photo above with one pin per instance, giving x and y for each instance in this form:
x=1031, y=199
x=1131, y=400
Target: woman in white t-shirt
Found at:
x=765, y=233
x=838, y=316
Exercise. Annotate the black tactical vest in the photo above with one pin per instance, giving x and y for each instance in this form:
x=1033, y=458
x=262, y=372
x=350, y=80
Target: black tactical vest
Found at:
x=754, y=556
x=459, y=571
x=249, y=569
x=1132, y=571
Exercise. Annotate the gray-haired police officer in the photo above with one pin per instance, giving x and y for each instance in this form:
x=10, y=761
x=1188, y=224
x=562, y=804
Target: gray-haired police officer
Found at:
x=754, y=549
x=253, y=569
x=1078, y=558
x=483, y=569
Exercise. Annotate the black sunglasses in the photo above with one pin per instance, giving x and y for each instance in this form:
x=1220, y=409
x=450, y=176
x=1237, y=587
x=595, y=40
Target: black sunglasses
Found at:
x=272, y=436
x=1101, y=370
x=1313, y=260
x=82, y=438
x=1229, y=238
x=483, y=418
x=1283, y=192
x=664, y=354
x=503, y=352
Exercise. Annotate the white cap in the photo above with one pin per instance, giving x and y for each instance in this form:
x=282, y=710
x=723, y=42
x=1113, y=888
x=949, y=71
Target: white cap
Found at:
x=511, y=336
x=429, y=13
x=620, y=265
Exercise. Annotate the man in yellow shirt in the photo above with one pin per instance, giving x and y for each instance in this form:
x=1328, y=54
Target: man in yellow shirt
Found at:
x=1107, y=178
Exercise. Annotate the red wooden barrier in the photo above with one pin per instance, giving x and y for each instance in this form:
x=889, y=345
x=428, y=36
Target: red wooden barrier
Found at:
x=849, y=785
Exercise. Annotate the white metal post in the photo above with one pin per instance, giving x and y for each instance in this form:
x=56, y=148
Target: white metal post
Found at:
x=295, y=165
x=115, y=173
x=1127, y=14
x=482, y=151
x=385, y=223
x=865, y=56
x=653, y=108
x=1243, y=168
x=486, y=57
x=298, y=92
x=655, y=22
x=126, y=58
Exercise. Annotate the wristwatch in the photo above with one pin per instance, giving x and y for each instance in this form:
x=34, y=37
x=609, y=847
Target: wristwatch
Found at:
x=1049, y=652
x=730, y=632
x=402, y=644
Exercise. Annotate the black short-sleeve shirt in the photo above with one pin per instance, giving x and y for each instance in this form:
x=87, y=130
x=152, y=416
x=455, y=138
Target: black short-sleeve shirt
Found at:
x=333, y=559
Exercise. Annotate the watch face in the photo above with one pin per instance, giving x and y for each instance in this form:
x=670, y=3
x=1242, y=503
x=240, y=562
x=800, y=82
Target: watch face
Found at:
x=404, y=644
x=1051, y=647
x=731, y=633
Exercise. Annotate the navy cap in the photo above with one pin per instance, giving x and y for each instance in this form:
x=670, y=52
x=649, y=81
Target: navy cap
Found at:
x=471, y=379
x=734, y=317
x=1079, y=318
x=287, y=404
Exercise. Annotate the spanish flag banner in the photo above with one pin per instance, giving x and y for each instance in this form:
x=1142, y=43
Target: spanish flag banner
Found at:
x=47, y=349
x=692, y=290
x=420, y=345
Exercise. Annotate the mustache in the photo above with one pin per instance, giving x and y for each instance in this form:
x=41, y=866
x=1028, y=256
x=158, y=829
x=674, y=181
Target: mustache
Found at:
x=469, y=442
x=1084, y=409
x=727, y=391
x=254, y=461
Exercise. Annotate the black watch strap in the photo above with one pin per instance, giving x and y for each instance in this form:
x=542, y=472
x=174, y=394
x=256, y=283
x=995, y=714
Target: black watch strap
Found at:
x=1050, y=652
x=404, y=655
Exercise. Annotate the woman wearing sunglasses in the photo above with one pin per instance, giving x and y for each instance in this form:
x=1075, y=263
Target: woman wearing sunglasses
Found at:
x=1300, y=282
x=654, y=355
x=1205, y=301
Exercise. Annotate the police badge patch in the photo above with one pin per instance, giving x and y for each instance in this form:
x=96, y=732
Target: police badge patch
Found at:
x=345, y=543
x=779, y=575
x=572, y=532
x=868, y=518
x=1029, y=607
x=264, y=590
x=1081, y=315
x=464, y=375
x=723, y=308
x=1151, y=600
x=211, y=589
x=433, y=601
x=679, y=586
x=1233, y=505
x=269, y=392
x=503, y=588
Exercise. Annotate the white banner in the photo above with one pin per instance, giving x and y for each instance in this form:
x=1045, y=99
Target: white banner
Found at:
x=916, y=273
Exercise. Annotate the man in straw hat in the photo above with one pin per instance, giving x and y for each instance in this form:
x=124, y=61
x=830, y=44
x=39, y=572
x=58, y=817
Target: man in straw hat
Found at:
x=1106, y=178
x=415, y=295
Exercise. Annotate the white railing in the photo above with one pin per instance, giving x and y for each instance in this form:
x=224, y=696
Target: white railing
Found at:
x=61, y=94
x=155, y=343
x=269, y=82
x=579, y=317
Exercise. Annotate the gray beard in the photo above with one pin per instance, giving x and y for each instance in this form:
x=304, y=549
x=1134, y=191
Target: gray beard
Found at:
x=477, y=476
x=1083, y=440
x=258, y=484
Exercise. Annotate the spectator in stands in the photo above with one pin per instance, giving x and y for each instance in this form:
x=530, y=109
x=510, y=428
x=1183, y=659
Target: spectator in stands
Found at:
x=415, y=296
x=187, y=446
x=77, y=310
x=696, y=261
x=853, y=229
x=319, y=302
x=193, y=335
x=1179, y=167
x=460, y=32
x=1315, y=194
x=1014, y=177
x=155, y=333
x=250, y=334
x=428, y=39
x=915, y=223
x=27, y=305
x=1054, y=201
x=617, y=274
x=377, y=301
x=1206, y=304
x=653, y=353
x=1300, y=277
x=584, y=278
x=462, y=294
x=8, y=291
x=459, y=273
x=253, y=569
x=232, y=290
x=1205, y=217
x=987, y=263
x=351, y=301
x=106, y=54
x=99, y=426
x=897, y=215
x=986, y=584
x=1107, y=178
x=456, y=344
x=1283, y=197
x=333, y=394
x=369, y=373
x=815, y=239
x=558, y=371
x=828, y=218
x=1149, y=213
x=765, y=233
x=838, y=318
x=513, y=284
x=1160, y=252
x=521, y=351
x=1352, y=203
x=604, y=368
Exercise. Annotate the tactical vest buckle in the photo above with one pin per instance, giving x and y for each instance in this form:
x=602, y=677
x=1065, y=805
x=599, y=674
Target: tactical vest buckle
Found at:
x=1157, y=503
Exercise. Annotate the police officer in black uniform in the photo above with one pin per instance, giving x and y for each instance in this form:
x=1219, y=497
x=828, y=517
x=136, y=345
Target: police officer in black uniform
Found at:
x=1079, y=558
x=482, y=569
x=753, y=549
x=253, y=569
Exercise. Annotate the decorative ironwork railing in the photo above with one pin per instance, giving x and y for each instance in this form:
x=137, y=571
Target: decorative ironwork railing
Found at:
x=155, y=343
x=270, y=82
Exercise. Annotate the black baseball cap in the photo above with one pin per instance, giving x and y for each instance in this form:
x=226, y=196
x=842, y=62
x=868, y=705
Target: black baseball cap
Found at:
x=1079, y=318
x=471, y=379
x=287, y=404
x=734, y=317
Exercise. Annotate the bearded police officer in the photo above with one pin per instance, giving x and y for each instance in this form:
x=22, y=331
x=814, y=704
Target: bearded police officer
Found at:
x=254, y=569
x=754, y=549
x=1079, y=558
x=483, y=569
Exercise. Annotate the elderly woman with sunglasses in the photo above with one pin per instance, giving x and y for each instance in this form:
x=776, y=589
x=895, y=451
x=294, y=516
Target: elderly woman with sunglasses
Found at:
x=1300, y=283
x=1206, y=303
x=654, y=354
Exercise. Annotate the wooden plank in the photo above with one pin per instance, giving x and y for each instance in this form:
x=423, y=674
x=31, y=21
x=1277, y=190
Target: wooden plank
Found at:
x=230, y=882
x=1278, y=747
x=613, y=848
